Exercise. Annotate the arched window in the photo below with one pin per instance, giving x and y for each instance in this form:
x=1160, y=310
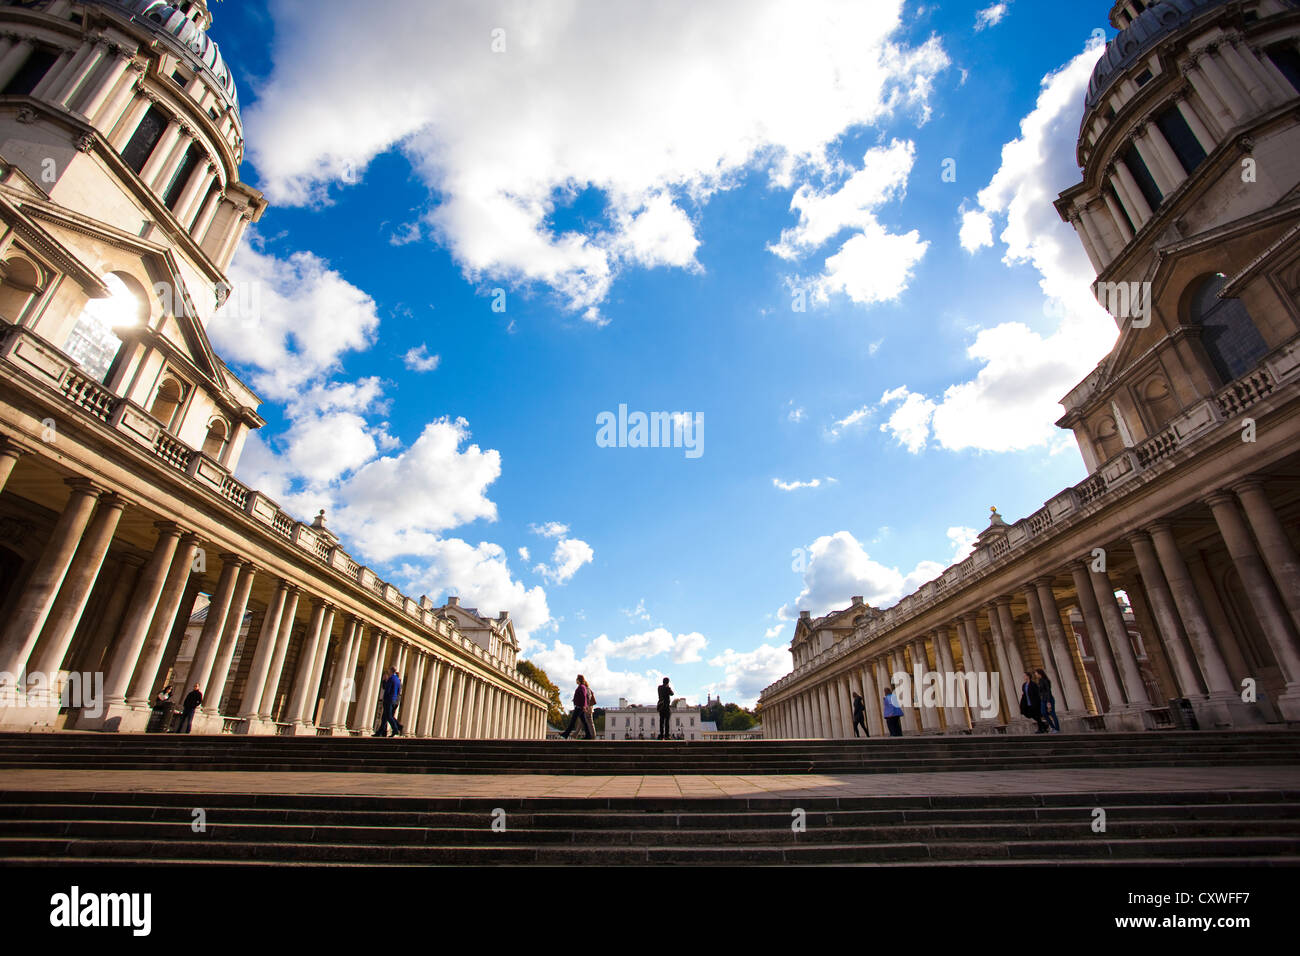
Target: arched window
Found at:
x=93, y=342
x=1228, y=333
x=1108, y=438
x=20, y=284
x=214, y=445
x=167, y=400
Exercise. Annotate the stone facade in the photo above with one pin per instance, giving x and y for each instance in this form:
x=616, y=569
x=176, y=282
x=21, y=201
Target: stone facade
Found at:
x=1189, y=208
x=120, y=427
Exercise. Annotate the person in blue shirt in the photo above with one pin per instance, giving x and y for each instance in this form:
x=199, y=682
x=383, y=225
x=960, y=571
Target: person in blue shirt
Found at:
x=893, y=714
x=390, y=694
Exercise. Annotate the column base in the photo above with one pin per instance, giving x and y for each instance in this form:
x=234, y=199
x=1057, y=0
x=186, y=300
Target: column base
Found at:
x=124, y=718
x=1224, y=711
x=301, y=728
x=35, y=717
x=255, y=726
x=1288, y=704
x=1127, y=718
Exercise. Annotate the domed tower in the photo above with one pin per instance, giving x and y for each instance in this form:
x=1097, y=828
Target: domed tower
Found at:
x=121, y=205
x=1189, y=209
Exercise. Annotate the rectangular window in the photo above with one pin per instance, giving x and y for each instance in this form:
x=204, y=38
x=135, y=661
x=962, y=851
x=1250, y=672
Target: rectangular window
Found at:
x=1146, y=183
x=1181, y=138
x=1287, y=60
x=32, y=72
x=145, y=138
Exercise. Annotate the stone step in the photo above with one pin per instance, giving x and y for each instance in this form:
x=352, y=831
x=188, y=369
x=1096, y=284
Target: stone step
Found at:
x=1239, y=848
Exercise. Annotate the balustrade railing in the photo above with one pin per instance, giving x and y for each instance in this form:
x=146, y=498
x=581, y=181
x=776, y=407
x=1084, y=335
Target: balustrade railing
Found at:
x=88, y=395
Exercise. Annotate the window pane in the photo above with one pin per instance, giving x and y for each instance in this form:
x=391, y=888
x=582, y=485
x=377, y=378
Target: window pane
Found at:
x=145, y=138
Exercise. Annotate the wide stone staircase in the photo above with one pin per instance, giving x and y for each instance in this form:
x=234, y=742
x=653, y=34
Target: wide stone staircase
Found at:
x=1232, y=823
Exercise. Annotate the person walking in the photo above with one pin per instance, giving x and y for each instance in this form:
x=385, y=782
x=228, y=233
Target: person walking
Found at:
x=860, y=715
x=665, y=708
x=1031, y=704
x=1047, y=700
x=893, y=714
x=191, y=703
x=162, y=711
x=583, y=701
x=390, y=694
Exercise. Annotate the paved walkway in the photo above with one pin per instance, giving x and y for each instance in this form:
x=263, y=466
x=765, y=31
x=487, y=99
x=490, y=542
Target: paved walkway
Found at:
x=676, y=785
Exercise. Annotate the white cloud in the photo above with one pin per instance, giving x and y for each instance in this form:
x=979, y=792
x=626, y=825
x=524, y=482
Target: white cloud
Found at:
x=638, y=613
x=773, y=631
x=562, y=664
x=551, y=529
x=873, y=265
x=418, y=359
x=290, y=319
x=839, y=567
x=976, y=230
x=991, y=16
x=570, y=554
x=480, y=576
x=796, y=485
x=963, y=542
x=523, y=555
x=795, y=414
x=746, y=673
x=851, y=420
x=785, y=79
x=684, y=648
x=1014, y=398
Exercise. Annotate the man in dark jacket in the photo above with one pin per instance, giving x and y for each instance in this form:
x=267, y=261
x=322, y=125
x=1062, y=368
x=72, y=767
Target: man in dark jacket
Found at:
x=1031, y=704
x=665, y=708
x=390, y=693
x=188, y=707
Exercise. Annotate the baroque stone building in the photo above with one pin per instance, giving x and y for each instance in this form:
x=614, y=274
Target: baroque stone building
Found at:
x=120, y=427
x=1189, y=208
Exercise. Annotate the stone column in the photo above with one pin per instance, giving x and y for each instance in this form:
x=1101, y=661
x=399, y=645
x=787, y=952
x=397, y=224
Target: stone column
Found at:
x=1279, y=555
x=163, y=177
x=363, y=717
x=272, y=688
x=972, y=655
x=125, y=652
x=196, y=188
x=1258, y=585
x=126, y=127
x=409, y=708
x=1009, y=636
x=105, y=115
x=1182, y=99
x=432, y=678
x=14, y=60
x=342, y=680
x=1066, y=679
x=52, y=75
x=77, y=586
x=33, y=607
x=1190, y=609
x=261, y=666
x=207, y=212
x=1008, y=676
x=841, y=723
x=954, y=711
x=315, y=697
x=162, y=151
x=456, y=719
x=110, y=619
x=1253, y=81
x=1223, y=85
x=205, y=654
x=9, y=455
x=151, y=655
x=1170, y=625
x=1130, y=194
x=302, y=690
x=83, y=64
x=229, y=641
x=1135, y=693
x=443, y=706
x=1090, y=608
x=1163, y=162
x=871, y=699
x=820, y=716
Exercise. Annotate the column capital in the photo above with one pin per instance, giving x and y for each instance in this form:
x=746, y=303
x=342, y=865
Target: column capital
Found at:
x=1044, y=582
x=1250, y=483
x=1218, y=497
x=1138, y=534
x=229, y=557
x=971, y=617
x=83, y=485
x=111, y=499
x=1003, y=600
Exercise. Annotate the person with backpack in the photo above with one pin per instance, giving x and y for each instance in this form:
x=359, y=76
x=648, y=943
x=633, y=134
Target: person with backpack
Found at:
x=893, y=714
x=583, y=701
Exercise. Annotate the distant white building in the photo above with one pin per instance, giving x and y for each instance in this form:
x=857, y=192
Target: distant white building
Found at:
x=634, y=722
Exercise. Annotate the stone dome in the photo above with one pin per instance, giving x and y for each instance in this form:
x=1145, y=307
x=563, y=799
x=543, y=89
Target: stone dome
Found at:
x=170, y=20
x=1152, y=25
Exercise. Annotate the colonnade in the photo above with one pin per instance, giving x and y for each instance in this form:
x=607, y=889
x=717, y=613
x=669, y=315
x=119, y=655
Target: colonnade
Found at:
x=304, y=663
x=1193, y=647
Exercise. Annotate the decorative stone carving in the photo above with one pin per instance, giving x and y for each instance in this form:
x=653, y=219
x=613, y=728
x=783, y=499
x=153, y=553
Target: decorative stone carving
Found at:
x=86, y=143
x=26, y=115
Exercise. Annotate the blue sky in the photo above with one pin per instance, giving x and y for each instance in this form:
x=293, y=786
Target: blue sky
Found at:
x=655, y=191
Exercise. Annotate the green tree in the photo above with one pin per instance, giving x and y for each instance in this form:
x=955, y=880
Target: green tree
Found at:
x=555, y=710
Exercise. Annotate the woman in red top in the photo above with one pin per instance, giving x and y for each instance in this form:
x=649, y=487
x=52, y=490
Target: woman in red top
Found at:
x=583, y=701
